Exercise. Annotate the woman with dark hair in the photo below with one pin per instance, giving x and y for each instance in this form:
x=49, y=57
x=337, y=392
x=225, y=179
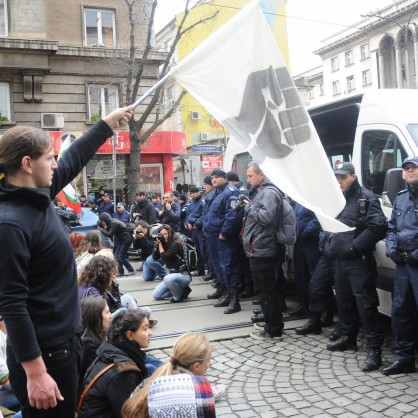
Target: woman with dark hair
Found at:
x=95, y=317
x=169, y=252
x=97, y=277
x=88, y=247
x=122, y=357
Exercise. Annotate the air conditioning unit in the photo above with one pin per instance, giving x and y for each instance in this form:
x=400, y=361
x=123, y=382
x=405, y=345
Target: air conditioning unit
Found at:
x=195, y=115
x=205, y=136
x=52, y=120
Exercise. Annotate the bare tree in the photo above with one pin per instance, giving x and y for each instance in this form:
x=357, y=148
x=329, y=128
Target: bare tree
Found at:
x=152, y=115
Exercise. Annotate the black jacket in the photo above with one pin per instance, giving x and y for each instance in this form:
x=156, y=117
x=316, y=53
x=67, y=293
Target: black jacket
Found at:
x=117, y=231
x=145, y=244
x=146, y=211
x=107, y=395
x=363, y=212
x=38, y=277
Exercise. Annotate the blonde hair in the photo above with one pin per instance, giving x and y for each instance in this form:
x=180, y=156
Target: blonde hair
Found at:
x=189, y=349
x=105, y=252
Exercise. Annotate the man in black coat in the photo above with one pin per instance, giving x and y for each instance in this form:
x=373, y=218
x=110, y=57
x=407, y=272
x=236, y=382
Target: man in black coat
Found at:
x=356, y=272
x=144, y=209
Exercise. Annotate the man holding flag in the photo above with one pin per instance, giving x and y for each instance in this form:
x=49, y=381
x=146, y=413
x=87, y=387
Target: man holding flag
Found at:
x=38, y=279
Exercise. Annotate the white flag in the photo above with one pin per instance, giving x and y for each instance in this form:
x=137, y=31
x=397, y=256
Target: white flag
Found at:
x=239, y=76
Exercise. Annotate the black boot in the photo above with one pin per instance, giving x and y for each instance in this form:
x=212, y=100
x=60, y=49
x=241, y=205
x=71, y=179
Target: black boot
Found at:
x=247, y=293
x=327, y=318
x=186, y=292
x=218, y=292
x=373, y=359
x=234, y=305
x=224, y=300
x=258, y=317
x=336, y=333
x=345, y=342
x=299, y=313
x=313, y=326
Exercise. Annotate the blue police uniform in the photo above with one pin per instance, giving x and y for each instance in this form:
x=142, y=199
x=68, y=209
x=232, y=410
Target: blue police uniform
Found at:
x=194, y=217
x=402, y=247
x=221, y=219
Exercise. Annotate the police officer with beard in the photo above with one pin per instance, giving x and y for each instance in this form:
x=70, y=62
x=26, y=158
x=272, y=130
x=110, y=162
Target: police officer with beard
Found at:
x=402, y=248
x=355, y=282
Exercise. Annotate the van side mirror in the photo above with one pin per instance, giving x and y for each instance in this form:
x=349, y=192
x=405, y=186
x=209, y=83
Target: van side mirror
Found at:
x=394, y=183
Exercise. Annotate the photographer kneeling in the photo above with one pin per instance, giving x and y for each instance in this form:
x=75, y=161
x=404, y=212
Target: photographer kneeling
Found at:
x=169, y=251
x=142, y=240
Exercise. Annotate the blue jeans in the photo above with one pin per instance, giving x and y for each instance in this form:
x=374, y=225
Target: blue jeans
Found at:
x=152, y=364
x=121, y=254
x=172, y=286
x=153, y=268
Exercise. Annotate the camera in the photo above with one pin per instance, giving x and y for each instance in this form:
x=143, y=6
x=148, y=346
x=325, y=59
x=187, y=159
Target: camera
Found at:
x=158, y=235
x=99, y=224
x=240, y=202
x=139, y=231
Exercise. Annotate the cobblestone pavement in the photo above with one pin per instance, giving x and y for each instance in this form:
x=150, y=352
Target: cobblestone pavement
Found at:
x=298, y=377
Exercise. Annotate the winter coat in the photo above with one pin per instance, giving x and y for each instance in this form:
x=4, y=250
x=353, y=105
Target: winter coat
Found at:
x=308, y=225
x=117, y=230
x=195, y=213
x=220, y=217
x=262, y=215
x=108, y=394
x=106, y=207
x=123, y=217
x=363, y=212
x=146, y=211
x=403, y=225
x=171, y=217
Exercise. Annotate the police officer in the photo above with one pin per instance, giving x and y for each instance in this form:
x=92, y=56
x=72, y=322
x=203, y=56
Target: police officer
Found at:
x=184, y=205
x=321, y=297
x=233, y=178
x=222, y=230
x=305, y=257
x=402, y=248
x=262, y=248
x=207, y=193
x=356, y=272
x=194, y=224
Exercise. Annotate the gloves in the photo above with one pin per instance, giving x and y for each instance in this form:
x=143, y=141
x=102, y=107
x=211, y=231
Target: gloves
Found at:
x=396, y=258
x=411, y=260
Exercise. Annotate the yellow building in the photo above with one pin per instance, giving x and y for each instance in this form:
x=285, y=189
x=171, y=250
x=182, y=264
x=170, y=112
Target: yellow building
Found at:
x=198, y=124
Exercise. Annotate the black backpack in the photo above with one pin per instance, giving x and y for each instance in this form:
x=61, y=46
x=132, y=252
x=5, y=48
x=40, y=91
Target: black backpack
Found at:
x=189, y=252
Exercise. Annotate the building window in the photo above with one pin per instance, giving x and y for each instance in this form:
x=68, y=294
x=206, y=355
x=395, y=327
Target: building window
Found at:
x=367, y=78
x=5, y=112
x=99, y=28
x=3, y=18
x=349, y=60
x=102, y=101
x=336, y=87
x=170, y=99
x=321, y=89
x=350, y=83
x=334, y=64
x=312, y=93
x=364, y=51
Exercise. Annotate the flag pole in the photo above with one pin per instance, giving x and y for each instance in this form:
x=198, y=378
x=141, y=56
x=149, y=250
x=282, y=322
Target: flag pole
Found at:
x=151, y=90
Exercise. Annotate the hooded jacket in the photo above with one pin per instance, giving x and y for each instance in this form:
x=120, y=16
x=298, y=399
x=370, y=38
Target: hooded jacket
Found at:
x=116, y=230
x=38, y=277
x=107, y=395
x=262, y=215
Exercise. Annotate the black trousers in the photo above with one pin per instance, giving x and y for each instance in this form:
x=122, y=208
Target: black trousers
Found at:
x=355, y=286
x=262, y=270
x=63, y=365
x=321, y=295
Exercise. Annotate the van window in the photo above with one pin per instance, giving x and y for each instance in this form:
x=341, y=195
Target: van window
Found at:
x=240, y=165
x=413, y=130
x=381, y=151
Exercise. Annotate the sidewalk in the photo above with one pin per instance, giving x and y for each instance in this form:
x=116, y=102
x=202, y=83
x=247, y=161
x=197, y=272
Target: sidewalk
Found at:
x=298, y=377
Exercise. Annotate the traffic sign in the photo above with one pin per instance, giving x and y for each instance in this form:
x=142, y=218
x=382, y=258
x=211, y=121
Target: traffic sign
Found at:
x=206, y=148
x=209, y=163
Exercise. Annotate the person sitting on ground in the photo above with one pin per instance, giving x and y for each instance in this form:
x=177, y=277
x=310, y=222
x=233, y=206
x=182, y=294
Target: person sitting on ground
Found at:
x=76, y=239
x=89, y=246
x=123, y=356
x=178, y=388
x=167, y=250
x=96, y=318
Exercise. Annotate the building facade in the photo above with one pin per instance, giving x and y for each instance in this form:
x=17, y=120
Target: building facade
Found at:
x=379, y=51
x=64, y=65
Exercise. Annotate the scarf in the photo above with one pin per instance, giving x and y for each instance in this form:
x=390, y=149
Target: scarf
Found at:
x=134, y=352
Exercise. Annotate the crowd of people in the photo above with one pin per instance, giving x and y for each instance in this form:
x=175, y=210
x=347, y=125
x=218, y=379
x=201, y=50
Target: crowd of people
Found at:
x=60, y=307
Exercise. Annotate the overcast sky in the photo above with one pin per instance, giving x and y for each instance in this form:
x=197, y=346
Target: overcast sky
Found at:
x=308, y=21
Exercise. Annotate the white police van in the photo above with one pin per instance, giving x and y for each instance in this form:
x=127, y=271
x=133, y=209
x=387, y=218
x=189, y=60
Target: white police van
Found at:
x=375, y=131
